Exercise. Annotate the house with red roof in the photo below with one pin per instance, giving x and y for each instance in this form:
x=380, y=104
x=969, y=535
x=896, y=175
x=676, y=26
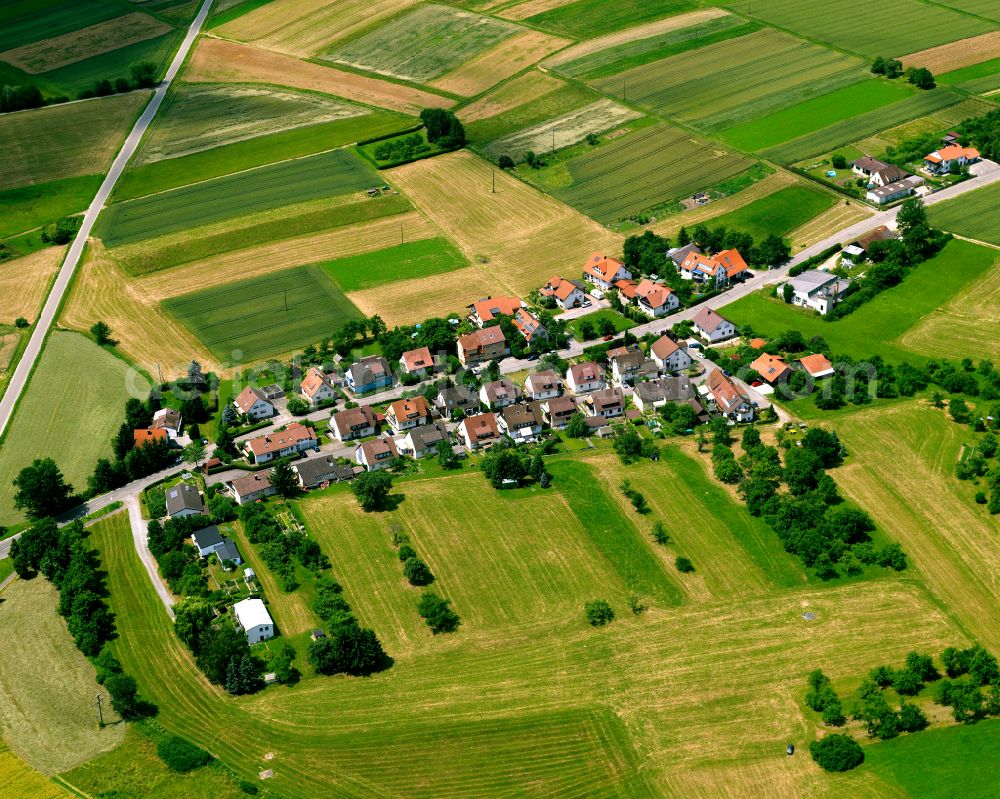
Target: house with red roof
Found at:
x=655, y=299
x=603, y=271
x=316, y=388
x=940, y=161
x=417, y=362
x=489, y=309
x=482, y=346
x=566, y=293
x=817, y=365
x=725, y=267
x=771, y=368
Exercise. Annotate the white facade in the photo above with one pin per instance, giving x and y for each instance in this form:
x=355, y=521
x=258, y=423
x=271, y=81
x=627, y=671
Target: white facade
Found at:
x=256, y=622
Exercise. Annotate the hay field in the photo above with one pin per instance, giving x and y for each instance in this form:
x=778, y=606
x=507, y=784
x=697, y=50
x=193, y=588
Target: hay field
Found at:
x=955, y=55
x=973, y=215
x=64, y=141
x=523, y=10
x=498, y=63
x=585, y=19
x=914, y=496
x=838, y=217
x=24, y=283
x=454, y=191
x=423, y=44
x=218, y=61
x=47, y=685
x=531, y=86
x=413, y=259
x=20, y=781
x=104, y=37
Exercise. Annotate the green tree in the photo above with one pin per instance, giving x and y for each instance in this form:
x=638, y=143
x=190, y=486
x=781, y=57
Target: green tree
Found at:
x=577, y=426
x=837, y=752
x=283, y=478
x=192, y=618
x=144, y=75
x=586, y=330
x=437, y=612
x=921, y=77
x=41, y=490
x=101, y=333
x=349, y=649
x=195, y=452
x=124, y=695
x=684, y=565
x=598, y=612
x=372, y=490
x=417, y=572
x=505, y=162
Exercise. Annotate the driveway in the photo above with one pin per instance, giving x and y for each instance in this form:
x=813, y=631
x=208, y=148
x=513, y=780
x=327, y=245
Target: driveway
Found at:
x=139, y=531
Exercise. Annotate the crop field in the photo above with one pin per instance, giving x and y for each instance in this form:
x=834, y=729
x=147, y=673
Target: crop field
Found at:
x=819, y=112
x=218, y=61
x=47, y=685
x=533, y=85
x=24, y=281
x=904, y=25
x=263, y=316
x=327, y=174
x=973, y=215
x=729, y=82
x=563, y=131
x=914, y=496
x=956, y=55
x=778, y=213
x=28, y=21
x=643, y=169
x=876, y=327
x=65, y=410
x=521, y=9
x=942, y=119
x=585, y=19
x=837, y=217
x=757, y=651
x=423, y=44
x=30, y=207
x=979, y=79
x=405, y=261
x=60, y=142
x=20, y=781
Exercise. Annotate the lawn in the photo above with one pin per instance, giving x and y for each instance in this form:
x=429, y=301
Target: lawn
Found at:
x=776, y=214
x=327, y=174
x=876, y=326
x=403, y=262
x=263, y=316
x=973, y=215
x=32, y=206
x=70, y=411
x=819, y=112
x=620, y=322
x=585, y=19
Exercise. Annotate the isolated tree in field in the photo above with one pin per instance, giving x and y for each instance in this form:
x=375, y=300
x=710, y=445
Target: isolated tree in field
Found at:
x=921, y=77
x=684, y=565
x=598, y=612
x=124, y=695
x=283, y=479
x=437, y=612
x=660, y=534
x=41, y=491
x=417, y=572
x=372, y=490
x=837, y=752
x=101, y=333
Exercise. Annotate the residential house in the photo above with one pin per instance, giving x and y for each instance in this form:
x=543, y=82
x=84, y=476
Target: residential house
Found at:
x=818, y=290
x=712, y=325
x=583, y=378
x=603, y=271
x=632, y=367
x=558, y=410
x=880, y=195
x=656, y=393
x=890, y=173
x=627, y=289
x=406, y=413
x=251, y=488
x=489, y=309
x=316, y=388
x=727, y=266
x=207, y=540
x=228, y=553
x=669, y=356
x=543, y=385
x=144, y=435
x=422, y=441
x=482, y=346
x=253, y=403
x=456, y=398
x=679, y=254
x=316, y=471
x=369, y=374
x=168, y=420
x=940, y=161
x=292, y=440
x=183, y=500
x=730, y=401
x=256, y=622
x=499, y=394
x=417, y=362
x=376, y=453
x=353, y=423
x=522, y=422
x=479, y=431
x=867, y=166
x=857, y=250
x=566, y=293
x=655, y=299
x=607, y=403
x=817, y=365
x=771, y=368
x=529, y=326
x=732, y=262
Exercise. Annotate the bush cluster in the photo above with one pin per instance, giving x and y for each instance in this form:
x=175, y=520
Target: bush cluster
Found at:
x=181, y=755
x=437, y=612
x=405, y=148
x=598, y=612
x=280, y=549
x=348, y=648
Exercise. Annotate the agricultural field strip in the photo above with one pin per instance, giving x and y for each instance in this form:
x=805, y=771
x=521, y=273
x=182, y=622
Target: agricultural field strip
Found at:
x=24, y=281
x=531, y=86
x=37, y=21
x=973, y=215
x=585, y=19
x=956, y=55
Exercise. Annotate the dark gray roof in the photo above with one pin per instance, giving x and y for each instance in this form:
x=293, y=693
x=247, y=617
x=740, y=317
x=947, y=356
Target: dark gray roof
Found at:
x=208, y=537
x=673, y=389
x=320, y=469
x=678, y=254
x=228, y=550
x=429, y=435
x=183, y=496
x=457, y=395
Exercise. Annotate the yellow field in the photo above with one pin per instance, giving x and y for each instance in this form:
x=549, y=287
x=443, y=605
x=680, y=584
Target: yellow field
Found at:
x=531, y=86
x=499, y=62
x=218, y=61
x=47, y=686
x=956, y=55
x=19, y=781
x=968, y=322
x=549, y=238
x=23, y=283
x=831, y=220
x=64, y=141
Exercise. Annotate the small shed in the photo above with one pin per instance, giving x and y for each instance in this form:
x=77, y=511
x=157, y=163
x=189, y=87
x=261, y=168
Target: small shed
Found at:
x=316, y=634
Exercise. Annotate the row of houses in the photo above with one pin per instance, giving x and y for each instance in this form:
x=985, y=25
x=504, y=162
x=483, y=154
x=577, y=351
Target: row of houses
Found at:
x=888, y=182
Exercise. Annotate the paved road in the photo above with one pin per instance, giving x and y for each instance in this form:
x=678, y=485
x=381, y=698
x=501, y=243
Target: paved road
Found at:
x=19, y=379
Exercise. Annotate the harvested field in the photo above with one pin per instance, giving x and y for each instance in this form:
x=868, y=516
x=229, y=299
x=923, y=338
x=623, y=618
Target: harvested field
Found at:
x=498, y=63
x=955, y=55
x=565, y=130
x=64, y=141
x=455, y=192
x=197, y=117
x=217, y=61
x=423, y=44
x=530, y=8
x=565, y=98
x=24, y=283
x=838, y=217
x=69, y=48
x=585, y=19
x=47, y=686
x=529, y=87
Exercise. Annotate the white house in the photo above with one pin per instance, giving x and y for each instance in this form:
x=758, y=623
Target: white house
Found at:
x=629, y=367
x=940, y=161
x=479, y=431
x=292, y=440
x=406, y=413
x=669, y=356
x=183, y=500
x=817, y=365
x=582, y=378
x=603, y=271
x=252, y=402
x=607, y=404
x=489, y=309
x=543, y=385
x=207, y=540
x=558, y=410
x=417, y=362
x=376, y=453
x=565, y=292
x=251, y=488
x=712, y=325
x=729, y=400
x=353, y=423
x=818, y=290
x=499, y=394
x=256, y=622
x=653, y=394
x=655, y=299
x=880, y=195
x=168, y=420
x=422, y=441
x=316, y=388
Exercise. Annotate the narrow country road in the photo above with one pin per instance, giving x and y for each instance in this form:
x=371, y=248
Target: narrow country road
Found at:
x=19, y=379
x=139, y=526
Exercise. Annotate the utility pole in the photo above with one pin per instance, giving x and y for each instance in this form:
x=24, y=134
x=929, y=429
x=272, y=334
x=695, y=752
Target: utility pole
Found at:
x=100, y=710
x=160, y=373
x=401, y=231
x=553, y=141
x=493, y=172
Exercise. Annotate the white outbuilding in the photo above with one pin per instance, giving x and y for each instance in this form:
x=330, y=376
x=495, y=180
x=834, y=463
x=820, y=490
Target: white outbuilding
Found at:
x=254, y=619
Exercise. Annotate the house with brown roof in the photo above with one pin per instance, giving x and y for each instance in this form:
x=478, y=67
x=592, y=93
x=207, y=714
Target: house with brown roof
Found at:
x=941, y=161
x=184, y=499
x=632, y=367
x=489, y=309
x=498, y=394
x=316, y=388
x=292, y=440
x=558, y=410
x=529, y=326
x=482, y=346
x=321, y=469
x=655, y=299
x=144, y=435
x=712, y=325
x=417, y=362
x=730, y=401
x=603, y=271
x=407, y=413
x=368, y=374
x=771, y=368
x=679, y=254
x=566, y=293
x=376, y=453
x=422, y=441
x=353, y=423
x=169, y=420
x=253, y=403
x=608, y=403
x=817, y=365
x=251, y=488
x=857, y=250
x=866, y=166
x=479, y=431
x=456, y=398
x=653, y=394
x=669, y=356
x=522, y=422
x=543, y=385
x=582, y=378
x=627, y=289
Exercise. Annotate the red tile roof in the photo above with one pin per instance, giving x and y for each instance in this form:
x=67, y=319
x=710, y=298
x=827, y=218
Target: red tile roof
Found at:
x=602, y=267
x=558, y=287
x=817, y=364
x=146, y=434
x=769, y=367
x=274, y=442
x=664, y=347
x=492, y=307
x=419, y=358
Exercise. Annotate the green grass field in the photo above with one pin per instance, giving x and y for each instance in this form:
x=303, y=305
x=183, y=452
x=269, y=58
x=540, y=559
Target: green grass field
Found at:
x=585, y=19
x=411, y=260
x=819, y=112
x=422, y=44
x=620, y=322
x=32, y=206
x=530, y=113
x=973, y=215
x=324, y=175
x=69, y=411
x=777, y=213
x=26, y=21
x=965, y=75
x=263, y=316
x=874, y=328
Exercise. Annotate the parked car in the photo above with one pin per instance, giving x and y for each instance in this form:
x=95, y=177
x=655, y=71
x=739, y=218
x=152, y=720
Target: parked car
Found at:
x=586, y=304
x=727, y=373
x=694, y=345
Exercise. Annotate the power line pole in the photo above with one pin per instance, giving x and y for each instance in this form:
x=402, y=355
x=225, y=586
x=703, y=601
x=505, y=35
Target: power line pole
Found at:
x=493, y=172
x=401, y=231
x=100, y=710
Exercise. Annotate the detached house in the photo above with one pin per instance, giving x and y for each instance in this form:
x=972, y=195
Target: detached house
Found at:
x=368, y=374
x=868, y=166
x=603, y=271
x=566, y=293
x=417, y=362
x=558, y=410
x=818, y=290
x=456, y=398
x=353, y=423
x=499, y=394
x=479, y=431
x=489, y=309
x=607, y=404
x=315, y=388
x=482, y=346
x=313, y=472
x=582, y=378
x=251, y=488
x=771, y=368
x=729, y=400
x=144, y=435
x=376, y=454
x=656, y=393
x=183, y=500
x=407, y=413
x=817, y=365
x=422, y=441
x=209, y=541
x=669, y=356
x=522, y=422
x=626, y=289
x=254, y=619
x=252, y=402
x=890, y=192
x=632, y=367
x=655, y=299
x=292, y=440
x=543, y=385
x=169, y=421
x=712, y=325
x=857, y=250
x=529, y=326
x=679, y=254
x=941, y=161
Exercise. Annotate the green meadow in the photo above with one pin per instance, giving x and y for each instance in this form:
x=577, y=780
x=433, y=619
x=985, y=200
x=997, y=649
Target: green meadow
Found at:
x=586, y=19
x=410, y=260
x=776, y=214
x=974, y=215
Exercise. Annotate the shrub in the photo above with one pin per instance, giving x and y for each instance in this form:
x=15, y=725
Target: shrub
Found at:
x=181, y=755
x=417, y=572
x=684, y=565
x=438, y=614
x=837, y=752
x=599, y=612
